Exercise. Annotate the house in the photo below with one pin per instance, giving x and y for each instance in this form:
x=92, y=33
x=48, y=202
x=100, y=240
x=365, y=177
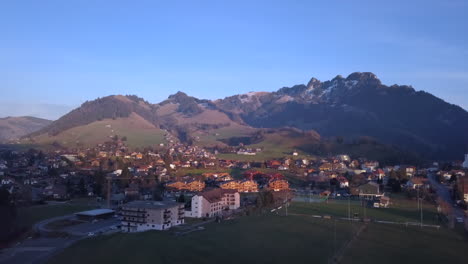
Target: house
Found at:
x=213, y=202
x=195, y=186
x=344, y=158
x=141, y=216
x=416, y=182
x=380, y=174
x=246, y=186
x=382, y=202
x=326, y=167
x=370, y=166
x=410, y=171
x=278, y=185
x=462, y=184
x=229, y=185
x=132, y=190
x=370, y=190
x=344, y=183
x=57, y=191
x=445, y=174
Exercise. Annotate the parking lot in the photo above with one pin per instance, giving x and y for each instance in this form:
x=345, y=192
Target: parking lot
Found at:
x=38, y=250
x=99, y=226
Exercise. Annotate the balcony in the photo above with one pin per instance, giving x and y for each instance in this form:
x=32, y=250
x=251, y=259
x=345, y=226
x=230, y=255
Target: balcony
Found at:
x=126, y=213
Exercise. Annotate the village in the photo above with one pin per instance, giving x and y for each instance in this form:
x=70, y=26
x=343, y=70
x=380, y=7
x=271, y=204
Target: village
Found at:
x=186, y=187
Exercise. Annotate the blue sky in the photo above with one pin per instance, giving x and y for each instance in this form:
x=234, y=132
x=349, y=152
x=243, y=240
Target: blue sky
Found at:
x=62, y=53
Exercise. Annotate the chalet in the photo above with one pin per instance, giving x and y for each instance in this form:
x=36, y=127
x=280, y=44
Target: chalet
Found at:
x=246, y=186
x=229, y=185
x=195, y=186
x=278, y=185
x=326, y=167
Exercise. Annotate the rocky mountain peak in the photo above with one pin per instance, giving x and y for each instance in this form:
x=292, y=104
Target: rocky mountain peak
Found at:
x=367, y=78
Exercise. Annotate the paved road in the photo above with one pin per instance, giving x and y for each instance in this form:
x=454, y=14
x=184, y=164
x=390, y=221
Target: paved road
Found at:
x=444, y=193
x=39, y=250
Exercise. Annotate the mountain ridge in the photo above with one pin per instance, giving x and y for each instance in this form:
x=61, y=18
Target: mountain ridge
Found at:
x=351, y=107
x=12, y=128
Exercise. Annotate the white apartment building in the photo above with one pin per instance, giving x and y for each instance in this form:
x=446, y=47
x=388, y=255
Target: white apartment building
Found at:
x=141, y=216
x=213, y=202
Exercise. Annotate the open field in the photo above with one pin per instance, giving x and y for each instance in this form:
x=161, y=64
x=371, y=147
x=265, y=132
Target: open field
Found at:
x=250, y=239
x=401, y=210
x=214, y=137
x=274, y=239
x=274, y=145
x=391, y=244
x=139, y=133
x=28, y=216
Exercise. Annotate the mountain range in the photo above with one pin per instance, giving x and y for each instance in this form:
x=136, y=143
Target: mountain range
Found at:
x=342, y=108
x=15, y=127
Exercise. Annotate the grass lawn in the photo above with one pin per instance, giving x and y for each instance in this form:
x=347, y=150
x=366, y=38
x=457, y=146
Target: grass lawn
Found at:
x=250, y=239
x=274, y=239
x=395, y=244
x=33, y=214
x=402, y=210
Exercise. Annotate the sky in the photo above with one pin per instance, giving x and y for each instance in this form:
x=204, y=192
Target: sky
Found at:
x=55, y=55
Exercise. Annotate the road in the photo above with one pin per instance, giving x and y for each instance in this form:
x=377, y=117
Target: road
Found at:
x=39, y=250
x=443, y=192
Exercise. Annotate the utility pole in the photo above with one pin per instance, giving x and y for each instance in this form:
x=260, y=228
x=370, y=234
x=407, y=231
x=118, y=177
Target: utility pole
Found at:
x=418, y=195
x=365, y=212
x=421, y=214
x=108, y=178
x=334, y=237
x=349, y=208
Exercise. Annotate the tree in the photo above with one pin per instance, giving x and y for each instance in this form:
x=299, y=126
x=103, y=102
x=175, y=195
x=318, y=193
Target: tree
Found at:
x=181, y=199
x=8, y=219
x=265, y=199
x=82, y=187
x=158, y=192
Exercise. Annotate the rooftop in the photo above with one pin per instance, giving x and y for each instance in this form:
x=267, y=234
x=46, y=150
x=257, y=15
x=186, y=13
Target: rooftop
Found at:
x=95, y=212
x=151, y=204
